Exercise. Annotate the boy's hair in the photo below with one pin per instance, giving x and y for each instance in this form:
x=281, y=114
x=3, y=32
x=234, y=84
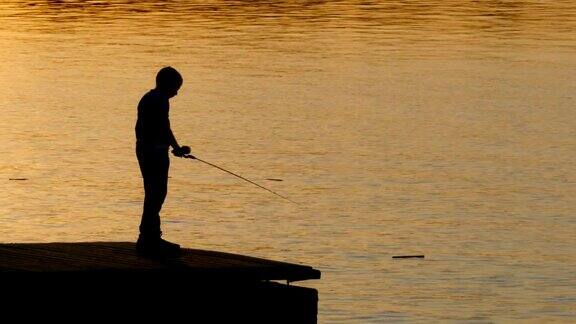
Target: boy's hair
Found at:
x=168, y=77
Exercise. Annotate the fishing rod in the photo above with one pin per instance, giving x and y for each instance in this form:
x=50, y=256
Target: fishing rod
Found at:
x=188, y=156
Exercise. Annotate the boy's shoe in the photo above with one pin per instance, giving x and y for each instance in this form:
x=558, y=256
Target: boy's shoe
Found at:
x=157, y=247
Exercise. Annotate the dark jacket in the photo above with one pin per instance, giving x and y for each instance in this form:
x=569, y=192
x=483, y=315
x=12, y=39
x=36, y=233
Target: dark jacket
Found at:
x=153, y=125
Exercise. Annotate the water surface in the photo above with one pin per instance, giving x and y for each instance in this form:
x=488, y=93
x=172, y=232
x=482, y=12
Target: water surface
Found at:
x=444, y=128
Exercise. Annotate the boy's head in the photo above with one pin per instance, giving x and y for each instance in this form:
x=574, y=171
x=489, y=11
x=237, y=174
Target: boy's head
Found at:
x=169, y=81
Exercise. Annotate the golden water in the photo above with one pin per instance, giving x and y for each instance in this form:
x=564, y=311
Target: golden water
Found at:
x=444, y=128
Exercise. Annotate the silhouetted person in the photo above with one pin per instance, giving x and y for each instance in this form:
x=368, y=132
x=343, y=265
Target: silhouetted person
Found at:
x=153, y=140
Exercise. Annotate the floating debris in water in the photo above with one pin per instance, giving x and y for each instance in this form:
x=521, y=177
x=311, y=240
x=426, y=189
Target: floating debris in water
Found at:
x=419, y=256
x=273, y=179
x=17, y=179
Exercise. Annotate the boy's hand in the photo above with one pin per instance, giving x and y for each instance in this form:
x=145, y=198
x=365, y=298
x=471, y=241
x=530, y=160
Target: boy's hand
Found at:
x=181, y=151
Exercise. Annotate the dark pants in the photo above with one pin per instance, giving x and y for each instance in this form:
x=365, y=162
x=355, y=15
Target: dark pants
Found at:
x=154, y=164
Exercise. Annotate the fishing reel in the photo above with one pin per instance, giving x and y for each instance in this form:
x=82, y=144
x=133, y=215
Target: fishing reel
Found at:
x=184, y=150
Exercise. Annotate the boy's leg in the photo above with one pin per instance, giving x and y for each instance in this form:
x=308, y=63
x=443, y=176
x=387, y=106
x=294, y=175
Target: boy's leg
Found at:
x=154, y=165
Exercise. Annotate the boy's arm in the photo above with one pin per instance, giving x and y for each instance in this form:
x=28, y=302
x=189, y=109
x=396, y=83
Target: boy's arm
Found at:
x=172, y=140
x=177, y=150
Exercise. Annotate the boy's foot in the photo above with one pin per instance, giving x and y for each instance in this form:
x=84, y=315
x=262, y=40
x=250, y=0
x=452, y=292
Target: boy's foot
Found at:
x=157, y=247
